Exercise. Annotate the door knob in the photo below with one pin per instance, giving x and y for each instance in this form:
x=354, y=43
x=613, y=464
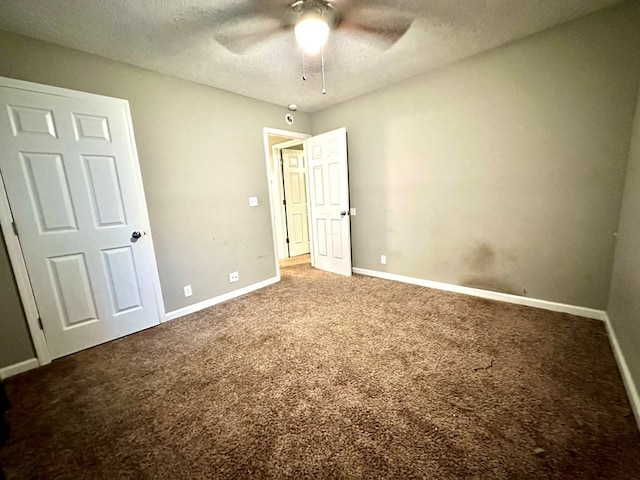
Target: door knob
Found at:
x=136, y=235
x=344, y=213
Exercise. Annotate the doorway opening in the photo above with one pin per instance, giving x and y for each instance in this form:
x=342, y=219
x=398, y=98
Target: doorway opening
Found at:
x=286, y=157
x=293, y=197
x=317, y=177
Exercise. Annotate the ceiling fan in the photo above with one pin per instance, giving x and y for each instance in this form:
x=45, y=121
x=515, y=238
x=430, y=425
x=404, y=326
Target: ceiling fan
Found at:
x=312, y=20
x=254, y=21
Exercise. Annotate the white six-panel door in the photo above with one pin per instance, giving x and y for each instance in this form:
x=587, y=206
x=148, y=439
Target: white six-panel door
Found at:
x=294, y=172
x=73, y=186
x=329, y=194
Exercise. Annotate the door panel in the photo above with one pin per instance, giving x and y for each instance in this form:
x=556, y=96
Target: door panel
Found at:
x=91, y=127
x=330, y=202
x=74, y=295
x=299, y=226
x=26, y=120
x=104, y=186
x=321, y=240
x=49, y=191
x=69, y=170
x=122, y=275
x=333, y=185
x=336, y=239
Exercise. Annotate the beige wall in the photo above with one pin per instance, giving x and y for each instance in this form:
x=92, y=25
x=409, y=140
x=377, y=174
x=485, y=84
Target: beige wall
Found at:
x=503, y=171
x=624, y=299
x=202, y=155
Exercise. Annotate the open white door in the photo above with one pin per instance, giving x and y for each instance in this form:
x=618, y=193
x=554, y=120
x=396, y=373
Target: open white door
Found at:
x=294, y=172
x=73, y=183
x=329, y=195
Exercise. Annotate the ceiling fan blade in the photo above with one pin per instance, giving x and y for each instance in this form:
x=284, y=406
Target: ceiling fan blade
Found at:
x=242, y=39
x=385, y=25
x=236, y=28
x=215, y=16
x=441, y=12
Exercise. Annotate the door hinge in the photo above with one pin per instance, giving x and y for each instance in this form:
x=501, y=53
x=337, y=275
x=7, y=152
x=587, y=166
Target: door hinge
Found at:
x=15, y=228
x=287, y=240
x=284, y=202
x=40, y=323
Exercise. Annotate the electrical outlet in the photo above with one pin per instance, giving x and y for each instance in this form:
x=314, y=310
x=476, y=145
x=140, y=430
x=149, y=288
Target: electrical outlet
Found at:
x=234, y=277
x=187, y=291
x=383, y=259
x=253, y=201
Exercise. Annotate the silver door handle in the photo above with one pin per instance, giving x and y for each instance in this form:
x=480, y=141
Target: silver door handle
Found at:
x=136, y=234
x=344, y=213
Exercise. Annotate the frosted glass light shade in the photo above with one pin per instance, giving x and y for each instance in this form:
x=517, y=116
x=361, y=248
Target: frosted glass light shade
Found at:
x=312, y=34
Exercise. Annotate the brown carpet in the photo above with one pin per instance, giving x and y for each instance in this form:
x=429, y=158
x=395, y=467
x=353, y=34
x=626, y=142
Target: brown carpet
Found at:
x=297, y=260
x=322, y=376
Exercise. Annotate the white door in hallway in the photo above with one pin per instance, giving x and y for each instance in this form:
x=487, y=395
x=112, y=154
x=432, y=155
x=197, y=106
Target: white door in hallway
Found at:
x=329, y=194
x=295, y=187
x=73, y=182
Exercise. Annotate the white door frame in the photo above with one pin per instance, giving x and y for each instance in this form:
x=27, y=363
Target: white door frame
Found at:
x=14, y=249
x=272, y=178
x=278, y=182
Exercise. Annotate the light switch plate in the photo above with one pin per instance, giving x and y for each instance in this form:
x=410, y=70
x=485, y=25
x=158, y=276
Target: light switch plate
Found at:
x=352, y=212
x=187, y=291
x=253, y=201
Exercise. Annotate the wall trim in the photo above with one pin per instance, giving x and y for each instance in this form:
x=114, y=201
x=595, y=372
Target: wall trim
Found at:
x=501, y=297
x=627, y=379
x=20, y=367
x=196, y=307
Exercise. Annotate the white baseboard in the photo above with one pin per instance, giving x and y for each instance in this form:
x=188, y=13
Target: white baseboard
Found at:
x=196, y=307
x=501, y=297
x=16, y=368
x=629, y=384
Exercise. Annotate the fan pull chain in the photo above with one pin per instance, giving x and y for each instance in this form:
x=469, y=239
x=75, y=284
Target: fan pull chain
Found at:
x=304, y=69
x=324, y=90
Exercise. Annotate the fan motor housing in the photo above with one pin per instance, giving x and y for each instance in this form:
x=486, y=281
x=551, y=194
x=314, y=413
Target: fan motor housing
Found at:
x=320, y=8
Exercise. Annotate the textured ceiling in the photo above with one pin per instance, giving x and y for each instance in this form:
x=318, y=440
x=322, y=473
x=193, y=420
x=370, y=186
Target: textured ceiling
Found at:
x=243, y=46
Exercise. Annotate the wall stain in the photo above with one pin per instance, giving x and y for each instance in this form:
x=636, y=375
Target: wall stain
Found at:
x=220, y=242
x=484, y=272
x=481, y=258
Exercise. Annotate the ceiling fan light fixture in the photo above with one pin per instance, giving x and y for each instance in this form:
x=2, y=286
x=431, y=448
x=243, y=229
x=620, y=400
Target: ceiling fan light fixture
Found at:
x=312, y=32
